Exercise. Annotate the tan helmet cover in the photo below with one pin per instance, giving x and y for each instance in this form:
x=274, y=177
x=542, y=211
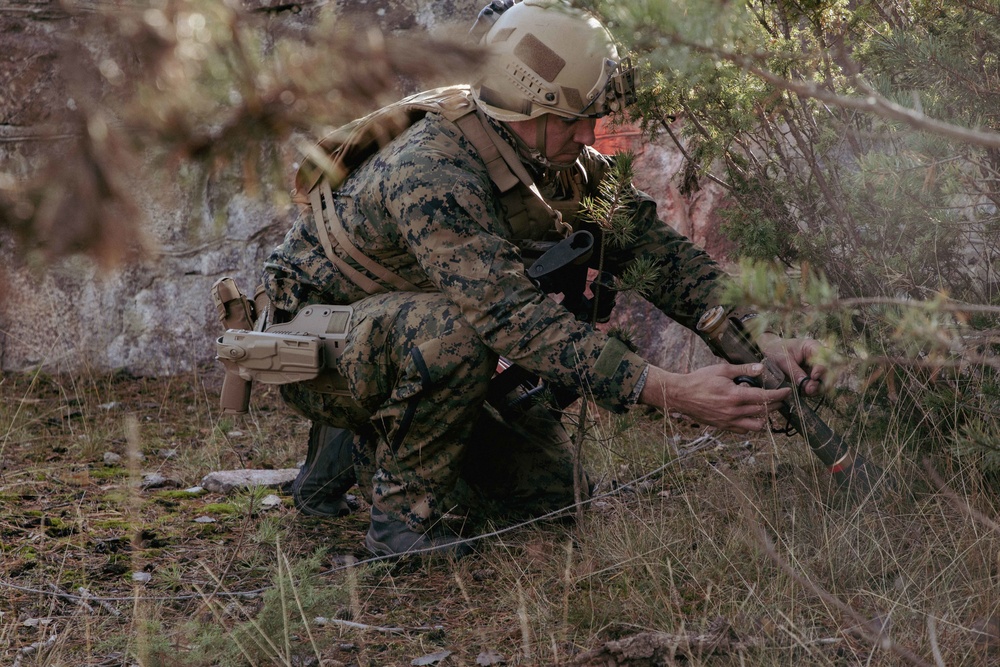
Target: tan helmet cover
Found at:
x=548, y=57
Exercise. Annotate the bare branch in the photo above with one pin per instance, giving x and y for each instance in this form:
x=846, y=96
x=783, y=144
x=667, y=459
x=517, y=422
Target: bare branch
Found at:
x=872, y=102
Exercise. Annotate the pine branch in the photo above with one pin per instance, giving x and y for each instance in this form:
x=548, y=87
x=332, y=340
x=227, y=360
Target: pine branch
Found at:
x=872, y=102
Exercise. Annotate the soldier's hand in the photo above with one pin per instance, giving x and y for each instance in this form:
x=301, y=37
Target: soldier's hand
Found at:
x=795, y=357
x=711, y=396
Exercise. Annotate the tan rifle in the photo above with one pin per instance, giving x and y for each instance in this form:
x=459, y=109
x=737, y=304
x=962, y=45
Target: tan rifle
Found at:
x=302, y=350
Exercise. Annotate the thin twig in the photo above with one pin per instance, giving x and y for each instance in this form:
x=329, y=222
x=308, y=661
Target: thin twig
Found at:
x=831, y=600
x=959, y=503
x=321, y=620
x=88, y=596
x=872, y=101
x=37, y=647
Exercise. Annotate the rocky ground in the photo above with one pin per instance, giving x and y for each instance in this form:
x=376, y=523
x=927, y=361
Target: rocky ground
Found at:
x=115, y=553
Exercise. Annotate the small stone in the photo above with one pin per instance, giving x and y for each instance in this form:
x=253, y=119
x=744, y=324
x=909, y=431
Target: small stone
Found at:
x=270, y=502
x=141, y=577
x=204, y=519
x=112, y=459
x=224, y=481
x=430, y=658
x=154, y=480
x=490, y=657
x=167, y=453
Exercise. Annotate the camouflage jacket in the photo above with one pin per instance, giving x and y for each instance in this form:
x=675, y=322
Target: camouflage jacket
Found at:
x=425, y=208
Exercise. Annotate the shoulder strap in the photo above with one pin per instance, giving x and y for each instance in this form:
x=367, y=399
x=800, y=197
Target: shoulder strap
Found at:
x=505, y=167
x=321, y=200
x=502, y=162
x=500, y=173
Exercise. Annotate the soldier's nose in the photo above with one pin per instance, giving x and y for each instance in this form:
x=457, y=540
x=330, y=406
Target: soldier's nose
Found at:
x=585, y=131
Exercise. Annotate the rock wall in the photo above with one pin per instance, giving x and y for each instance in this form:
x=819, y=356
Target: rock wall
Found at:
x=156, y=317
x=658, y=170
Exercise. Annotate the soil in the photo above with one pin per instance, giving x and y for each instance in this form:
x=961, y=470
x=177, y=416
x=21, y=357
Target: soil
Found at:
x=167, y=565
x=78, y=510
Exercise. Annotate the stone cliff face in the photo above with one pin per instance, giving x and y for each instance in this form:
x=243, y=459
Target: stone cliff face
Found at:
x=658, y=170
x=156, y=317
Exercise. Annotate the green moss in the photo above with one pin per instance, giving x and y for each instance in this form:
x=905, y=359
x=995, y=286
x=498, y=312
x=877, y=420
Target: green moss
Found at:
x=176, y=494
x=219, y=508
x=113, y=472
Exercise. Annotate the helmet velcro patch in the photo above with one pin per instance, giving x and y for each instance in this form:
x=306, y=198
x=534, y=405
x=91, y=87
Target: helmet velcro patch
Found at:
x=540, y=58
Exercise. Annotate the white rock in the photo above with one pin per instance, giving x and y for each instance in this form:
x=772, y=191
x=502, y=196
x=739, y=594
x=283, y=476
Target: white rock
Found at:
x=224, y=481
x=270, y=501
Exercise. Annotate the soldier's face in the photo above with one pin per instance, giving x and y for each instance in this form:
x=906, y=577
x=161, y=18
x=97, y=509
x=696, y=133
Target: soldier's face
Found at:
x=564, y=137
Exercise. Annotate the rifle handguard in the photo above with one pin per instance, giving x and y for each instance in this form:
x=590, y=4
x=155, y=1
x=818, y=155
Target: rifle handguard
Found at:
x=730, y=340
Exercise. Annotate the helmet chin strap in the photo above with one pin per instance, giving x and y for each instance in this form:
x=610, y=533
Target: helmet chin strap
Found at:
x=537, y=154
x=541, y=123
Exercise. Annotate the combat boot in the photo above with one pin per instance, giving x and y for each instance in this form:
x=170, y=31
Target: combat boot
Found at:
x=392, y=537
x=327, y=474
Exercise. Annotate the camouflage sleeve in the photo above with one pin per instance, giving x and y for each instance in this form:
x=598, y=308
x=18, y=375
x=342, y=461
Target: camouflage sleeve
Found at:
x=451, y=219
x=298, y=273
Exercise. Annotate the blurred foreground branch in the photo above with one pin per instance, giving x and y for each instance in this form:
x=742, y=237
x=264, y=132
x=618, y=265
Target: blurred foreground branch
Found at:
x=190, y=81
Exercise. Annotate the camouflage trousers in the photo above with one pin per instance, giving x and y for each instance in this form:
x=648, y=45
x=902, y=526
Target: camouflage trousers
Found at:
x=425, y=437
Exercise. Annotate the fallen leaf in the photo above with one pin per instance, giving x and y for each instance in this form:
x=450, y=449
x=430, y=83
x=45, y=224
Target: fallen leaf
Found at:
x=490, y=657
x=430, y=658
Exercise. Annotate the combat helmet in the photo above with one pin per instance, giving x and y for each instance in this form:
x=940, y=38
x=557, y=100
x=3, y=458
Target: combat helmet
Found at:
x=548, y=57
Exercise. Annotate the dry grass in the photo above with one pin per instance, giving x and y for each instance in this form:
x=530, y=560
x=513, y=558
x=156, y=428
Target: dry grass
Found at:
x=730, y=536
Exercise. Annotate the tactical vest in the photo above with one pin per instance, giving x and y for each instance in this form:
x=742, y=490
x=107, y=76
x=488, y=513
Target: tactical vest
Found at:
x=337, y=155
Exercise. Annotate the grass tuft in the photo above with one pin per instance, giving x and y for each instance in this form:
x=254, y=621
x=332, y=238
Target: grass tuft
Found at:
x=719, y=549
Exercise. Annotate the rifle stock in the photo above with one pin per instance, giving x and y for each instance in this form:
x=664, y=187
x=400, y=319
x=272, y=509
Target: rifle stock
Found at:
x=304, y=349
x=729, y=339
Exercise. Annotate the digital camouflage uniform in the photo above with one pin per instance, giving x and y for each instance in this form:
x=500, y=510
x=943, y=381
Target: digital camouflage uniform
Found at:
x=418, y=363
